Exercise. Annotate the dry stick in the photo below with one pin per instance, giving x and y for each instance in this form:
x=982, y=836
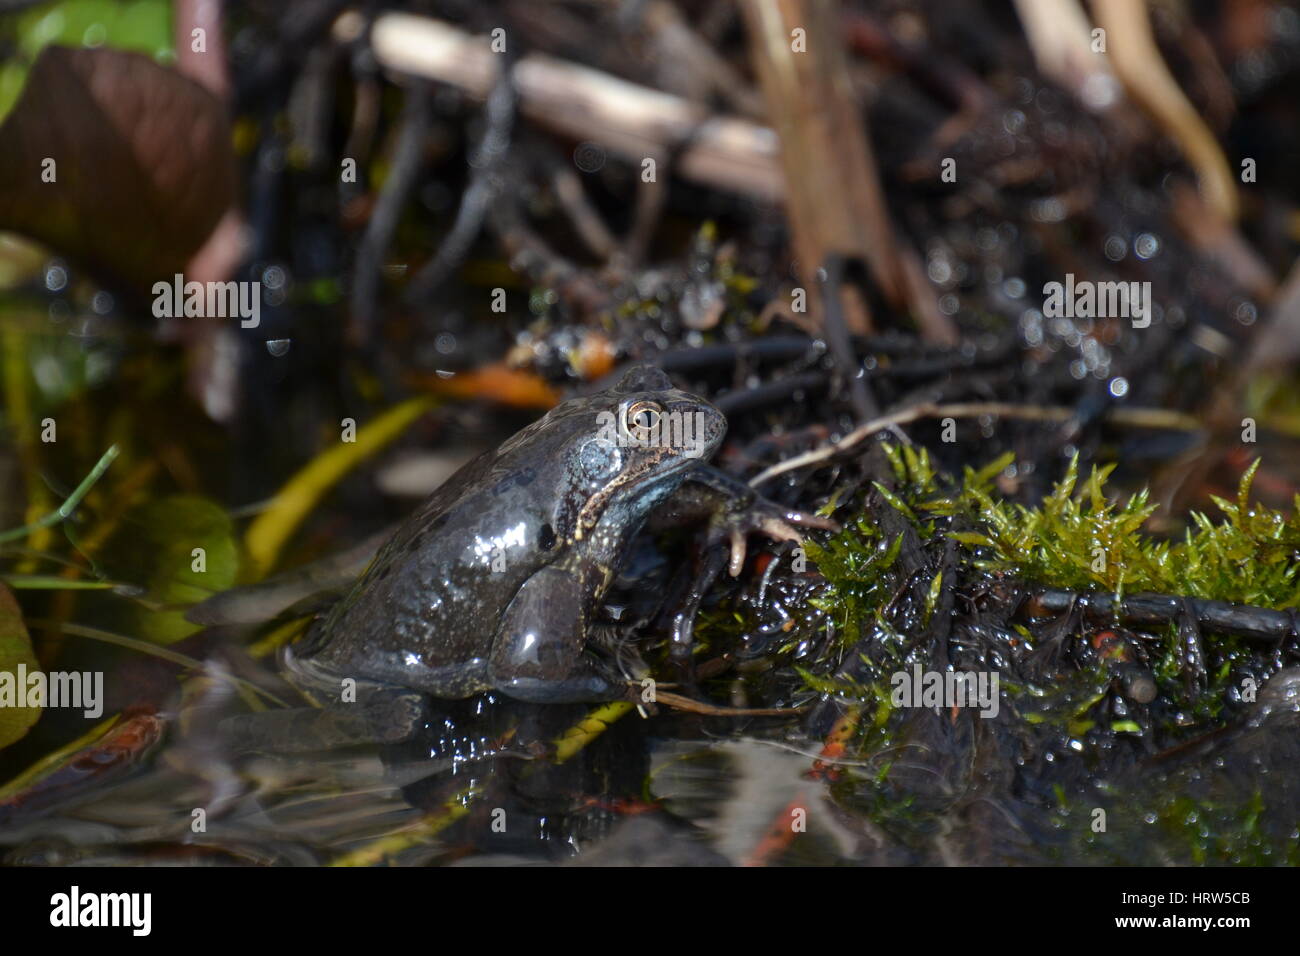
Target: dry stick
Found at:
x=1059, y=35
x=1147, y=79
x=630, y=121
x=1271, y=349
x=486, y=182
x=1248, y=621
x=582, y=213
x=1133, y=417
x=833, y=196
x=834, y=199
x=713, y=710
x=1221, y=242
x=650, y=200
x=676, y=38
x=408, y=155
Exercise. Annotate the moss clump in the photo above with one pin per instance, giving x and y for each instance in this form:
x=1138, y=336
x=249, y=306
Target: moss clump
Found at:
x=1089, y=541
x=1070, y=737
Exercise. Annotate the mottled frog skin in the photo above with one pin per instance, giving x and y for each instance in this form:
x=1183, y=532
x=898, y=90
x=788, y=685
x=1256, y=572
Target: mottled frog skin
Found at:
x=492, y=584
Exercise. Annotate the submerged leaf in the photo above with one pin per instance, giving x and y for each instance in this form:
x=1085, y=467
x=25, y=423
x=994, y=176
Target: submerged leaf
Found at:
x=15, y=652
x=180, y=550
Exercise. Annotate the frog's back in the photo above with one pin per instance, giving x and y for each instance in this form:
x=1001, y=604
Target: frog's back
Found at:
x=428, y=602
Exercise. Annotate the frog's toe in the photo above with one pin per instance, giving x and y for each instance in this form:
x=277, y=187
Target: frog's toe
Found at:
x=771, y=520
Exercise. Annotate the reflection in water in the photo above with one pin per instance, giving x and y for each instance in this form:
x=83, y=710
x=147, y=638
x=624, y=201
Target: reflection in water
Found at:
x=477, y=783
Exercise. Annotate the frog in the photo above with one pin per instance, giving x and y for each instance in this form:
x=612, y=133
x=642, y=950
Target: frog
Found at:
x=494, y=583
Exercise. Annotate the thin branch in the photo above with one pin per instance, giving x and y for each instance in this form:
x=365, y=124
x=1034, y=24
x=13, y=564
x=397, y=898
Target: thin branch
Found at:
x=630, y=121
x=1132, y=417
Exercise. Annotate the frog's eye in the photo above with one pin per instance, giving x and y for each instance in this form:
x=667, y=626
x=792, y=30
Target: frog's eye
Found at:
x=641, y=419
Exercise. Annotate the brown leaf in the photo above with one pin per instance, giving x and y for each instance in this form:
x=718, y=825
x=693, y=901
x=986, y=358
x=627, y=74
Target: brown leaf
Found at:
x=143, y=162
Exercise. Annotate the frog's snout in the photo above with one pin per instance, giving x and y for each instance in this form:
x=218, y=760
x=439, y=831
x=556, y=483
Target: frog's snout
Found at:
x=693, y=427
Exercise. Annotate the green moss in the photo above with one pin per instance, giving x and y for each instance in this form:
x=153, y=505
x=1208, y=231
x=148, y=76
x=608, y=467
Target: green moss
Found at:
x=1082, y=538
x=856, y=563
x=1079, y=538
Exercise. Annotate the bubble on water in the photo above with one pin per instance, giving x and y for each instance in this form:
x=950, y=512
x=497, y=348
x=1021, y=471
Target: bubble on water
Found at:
x=56, y=276
x=1146, y=246
x=1118, y=386
x=1116, y=248
x=1047, y=210
x=1031, y=318
x=278, y=347
x=273, y=277
x=589, y=157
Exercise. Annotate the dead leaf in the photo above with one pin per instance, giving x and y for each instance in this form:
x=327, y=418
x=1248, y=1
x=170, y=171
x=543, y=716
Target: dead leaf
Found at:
x=143, y=165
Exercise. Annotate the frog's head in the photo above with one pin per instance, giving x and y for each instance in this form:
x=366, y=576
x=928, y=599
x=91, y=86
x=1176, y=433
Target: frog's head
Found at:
x=627, y=448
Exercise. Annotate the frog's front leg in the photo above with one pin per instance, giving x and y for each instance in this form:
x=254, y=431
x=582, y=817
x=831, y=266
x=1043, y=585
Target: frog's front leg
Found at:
x=735, y=510
x=539, y=651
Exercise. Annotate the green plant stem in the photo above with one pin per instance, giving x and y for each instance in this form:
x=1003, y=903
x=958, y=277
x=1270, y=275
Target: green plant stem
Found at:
x=70, y=503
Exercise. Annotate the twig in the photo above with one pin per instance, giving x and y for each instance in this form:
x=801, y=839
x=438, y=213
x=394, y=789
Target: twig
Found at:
x=1136, y=610
x=713, y=710
x=833, y=196
x=1058, y=34
x=1132, y=417
x=529, y=254
x=630, y=121
x=1147, y=79
x=582, y=213
x=837, y=337
x=407, y=159
x=485, y=185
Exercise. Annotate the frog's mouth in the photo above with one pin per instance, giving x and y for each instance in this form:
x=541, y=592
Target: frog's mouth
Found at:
x=595, y=506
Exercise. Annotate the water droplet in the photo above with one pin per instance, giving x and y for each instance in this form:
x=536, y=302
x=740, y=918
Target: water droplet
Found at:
x=273, y=277
x=278, y=347
x=56, y=276
x=589, y=157
x=1146, y=246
